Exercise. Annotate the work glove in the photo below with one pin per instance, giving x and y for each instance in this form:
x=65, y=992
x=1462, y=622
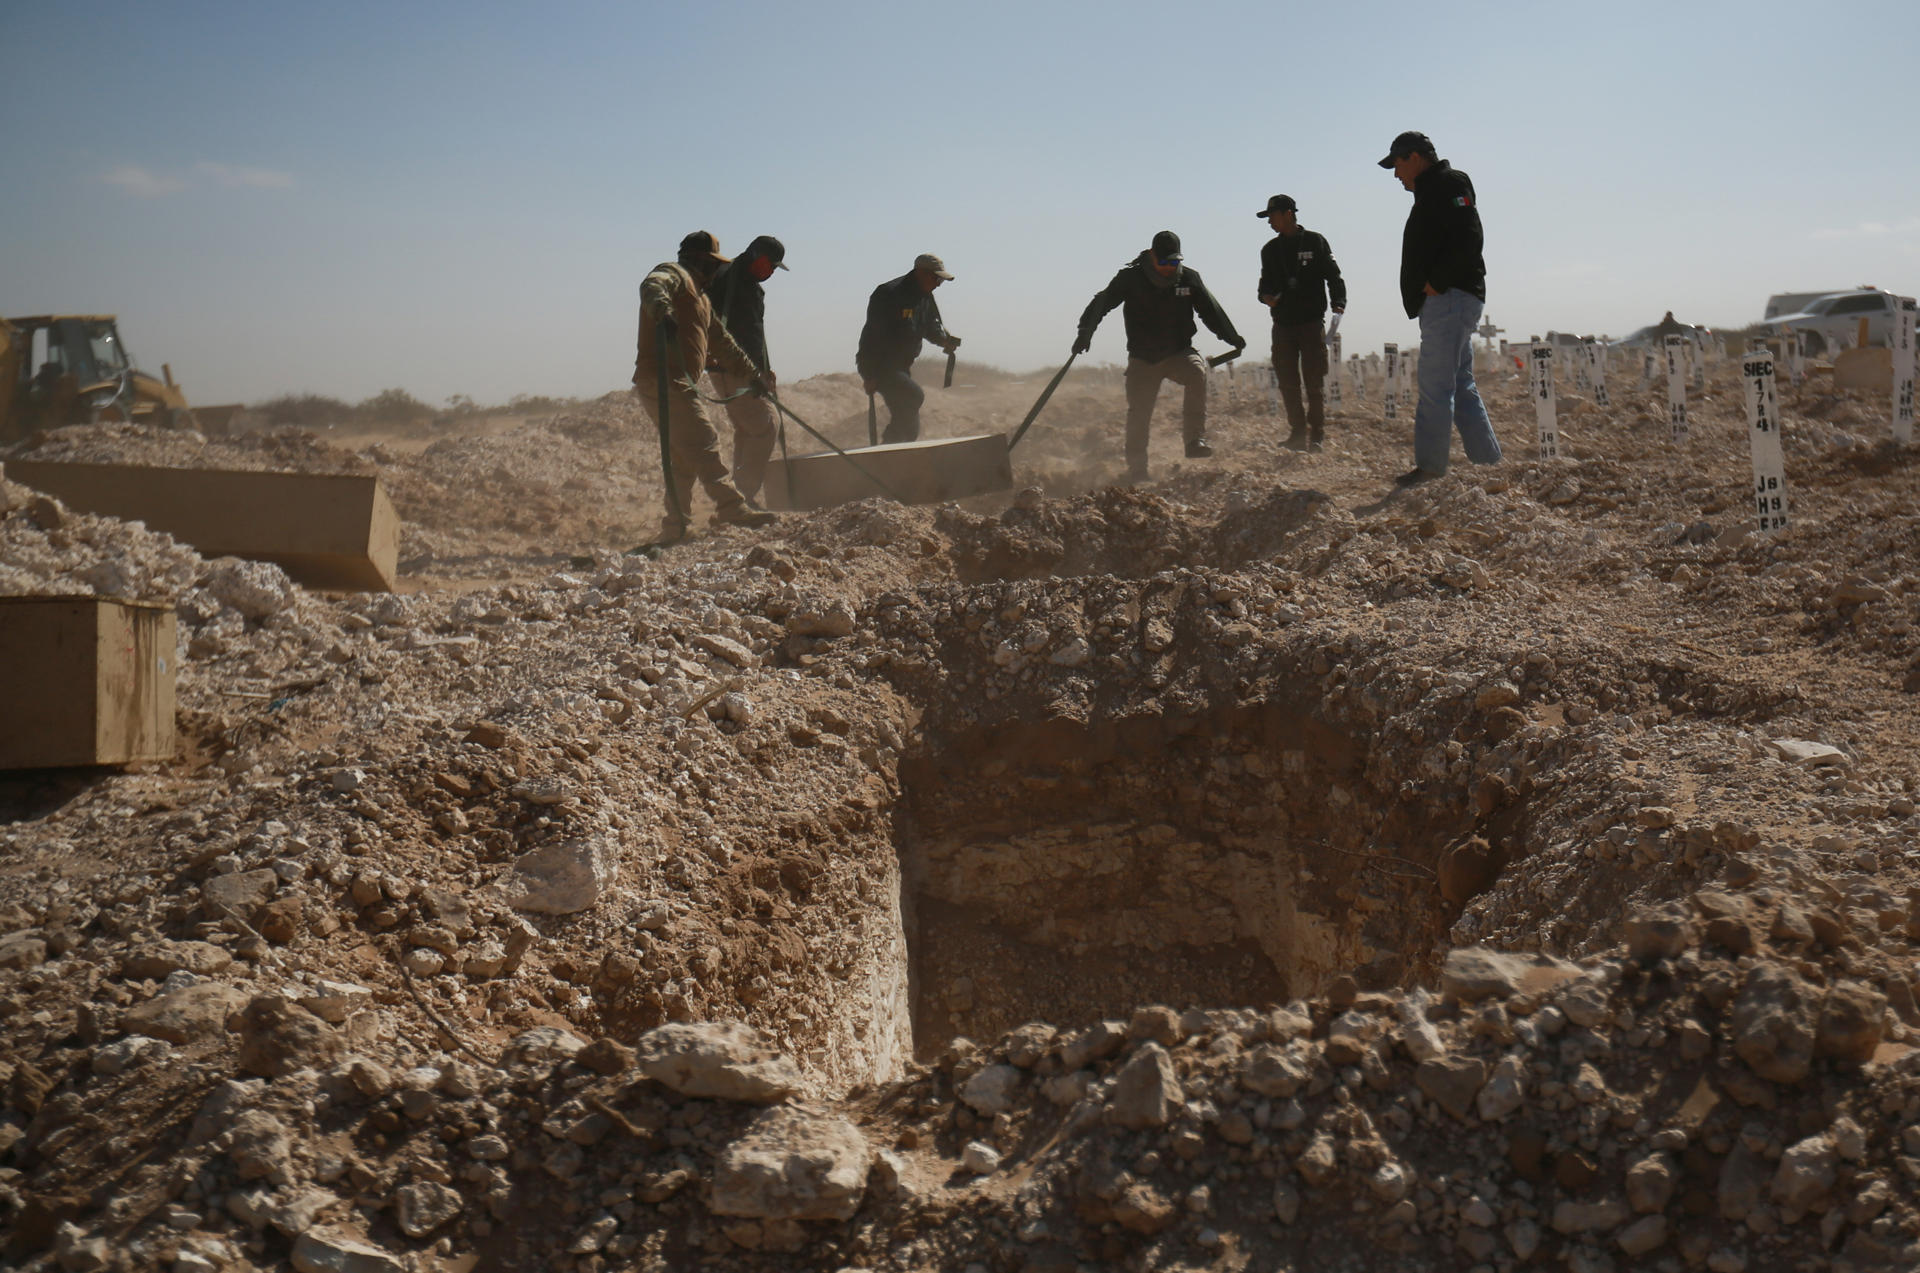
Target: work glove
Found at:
x=1239, y=346
x=953, y=343
x=1082, y=343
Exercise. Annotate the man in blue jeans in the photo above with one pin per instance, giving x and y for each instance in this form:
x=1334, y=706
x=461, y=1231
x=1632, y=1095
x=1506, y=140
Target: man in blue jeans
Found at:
x=1443, y=283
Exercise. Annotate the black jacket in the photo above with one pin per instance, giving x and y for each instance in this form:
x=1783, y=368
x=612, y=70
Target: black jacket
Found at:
x=1442, y=241
x=1300, y=271
x=740, y=302
x=1159, y=311
x=900, y=314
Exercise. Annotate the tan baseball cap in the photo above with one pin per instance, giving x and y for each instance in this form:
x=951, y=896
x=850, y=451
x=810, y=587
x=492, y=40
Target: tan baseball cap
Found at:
x=928, y=261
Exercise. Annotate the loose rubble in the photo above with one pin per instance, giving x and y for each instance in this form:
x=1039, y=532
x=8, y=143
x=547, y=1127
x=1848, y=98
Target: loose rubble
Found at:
x=1249, y=869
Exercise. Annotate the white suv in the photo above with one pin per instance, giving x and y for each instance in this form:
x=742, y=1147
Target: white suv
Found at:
x=1833, y=322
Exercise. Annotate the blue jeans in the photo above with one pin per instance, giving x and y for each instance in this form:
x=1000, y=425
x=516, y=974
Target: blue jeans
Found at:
x=1448, y=396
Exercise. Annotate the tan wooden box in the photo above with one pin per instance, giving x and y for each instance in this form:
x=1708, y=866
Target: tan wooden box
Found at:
x=85, y=681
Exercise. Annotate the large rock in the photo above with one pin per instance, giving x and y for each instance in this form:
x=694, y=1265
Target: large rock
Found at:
x=1661, y=932
x=1452, y=1082
x=992, y=1090
x=562, y=878
x=723, y=1060
x=1773, y=1024
x=1504, y=1092
x=239, y=893
x=196, y=1012
x=1806, y=1174
x=22, y=950
x=331, y=1250
x=1147, y=1091
x=257, y=589
x=260, y=1147
x=792, y=1164
x=1274, y=1071
x=278, y=1037
x=1144, y=1209
x=1851, y=1021
x=155, y=960
x=423, y=1206
x=1476, y=972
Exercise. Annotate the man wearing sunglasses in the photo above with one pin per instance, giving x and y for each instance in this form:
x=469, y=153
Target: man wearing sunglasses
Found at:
x=1158, y=297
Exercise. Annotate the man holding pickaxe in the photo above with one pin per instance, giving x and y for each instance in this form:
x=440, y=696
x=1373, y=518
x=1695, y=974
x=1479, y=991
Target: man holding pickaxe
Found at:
x=677, y=331
x=901, y=314
x=1160, y=296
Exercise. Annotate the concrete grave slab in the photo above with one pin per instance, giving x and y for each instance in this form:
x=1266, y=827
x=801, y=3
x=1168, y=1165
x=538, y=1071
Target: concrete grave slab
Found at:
x=326, y=530
x=929, y=471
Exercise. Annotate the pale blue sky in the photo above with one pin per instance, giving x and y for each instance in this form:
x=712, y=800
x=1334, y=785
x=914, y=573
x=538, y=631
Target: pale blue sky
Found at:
x=462, y=198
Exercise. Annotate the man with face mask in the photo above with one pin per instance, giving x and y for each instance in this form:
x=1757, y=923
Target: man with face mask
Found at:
x=1160, y=296
x=674, y=304
x=740, y=303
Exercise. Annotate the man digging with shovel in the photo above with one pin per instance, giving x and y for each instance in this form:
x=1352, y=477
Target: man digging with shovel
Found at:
x=678, y=330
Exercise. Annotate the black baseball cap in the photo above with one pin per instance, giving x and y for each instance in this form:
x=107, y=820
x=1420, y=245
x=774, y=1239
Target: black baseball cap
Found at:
x=1279, y=203
x=1409, y=143
x=771, y=248
x=1166, y=246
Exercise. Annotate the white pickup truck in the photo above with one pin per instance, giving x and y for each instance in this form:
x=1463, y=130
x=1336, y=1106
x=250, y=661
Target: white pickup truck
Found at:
x=1832, y=322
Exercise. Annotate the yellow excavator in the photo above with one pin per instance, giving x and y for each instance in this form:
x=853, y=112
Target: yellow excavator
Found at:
x=58, y=369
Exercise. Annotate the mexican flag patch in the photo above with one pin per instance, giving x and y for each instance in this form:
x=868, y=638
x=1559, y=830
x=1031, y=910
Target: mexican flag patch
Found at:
x=1463, y=201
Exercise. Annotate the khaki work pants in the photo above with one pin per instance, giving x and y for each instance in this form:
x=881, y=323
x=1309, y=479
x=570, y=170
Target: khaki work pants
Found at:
x=1300, y=353
x=695, y=450
x=754, y=426
x=1143, y=386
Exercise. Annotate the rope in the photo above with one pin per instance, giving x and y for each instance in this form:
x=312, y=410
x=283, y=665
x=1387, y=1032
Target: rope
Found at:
x=858, y=467
x=1046, y=393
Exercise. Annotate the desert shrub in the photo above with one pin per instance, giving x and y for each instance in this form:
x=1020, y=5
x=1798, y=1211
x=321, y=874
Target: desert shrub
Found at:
x=391, y=406
x=304, y=410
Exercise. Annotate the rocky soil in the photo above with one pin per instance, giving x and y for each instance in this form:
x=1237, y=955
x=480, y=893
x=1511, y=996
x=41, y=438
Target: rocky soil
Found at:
x=1257, y=868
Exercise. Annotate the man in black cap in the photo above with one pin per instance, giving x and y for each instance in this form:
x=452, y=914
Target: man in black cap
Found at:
x=677, y=332
x=740, y=302
x=901, y=314
x=1297, y=273
x=1443, y=283
x=1160, y=296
